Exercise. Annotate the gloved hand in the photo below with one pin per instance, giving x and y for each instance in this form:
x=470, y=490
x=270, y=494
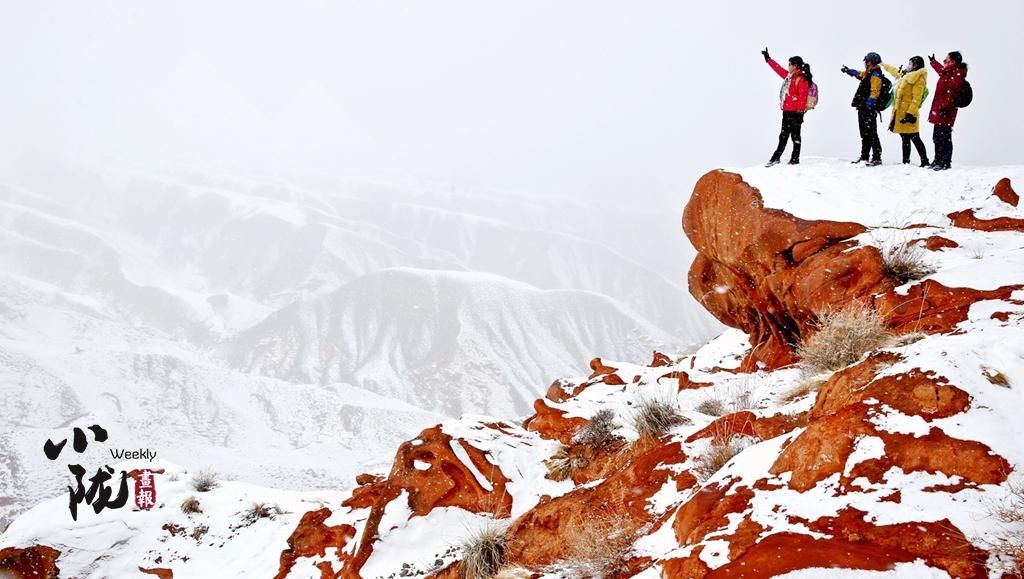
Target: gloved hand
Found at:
x=944, y=111
x=932, y=57
x=871, y=103
x=845, y=69
x=764, y=53
x=908, y=118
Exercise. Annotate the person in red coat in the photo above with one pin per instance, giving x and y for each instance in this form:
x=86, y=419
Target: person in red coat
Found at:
x=952, y=74
x=796, y=86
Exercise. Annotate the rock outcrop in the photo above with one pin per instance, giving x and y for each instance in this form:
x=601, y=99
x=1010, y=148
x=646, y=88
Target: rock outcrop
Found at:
x=847, y=475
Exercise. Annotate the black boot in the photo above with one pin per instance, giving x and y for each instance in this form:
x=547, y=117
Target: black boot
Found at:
x=874, y=162
x=925, y=163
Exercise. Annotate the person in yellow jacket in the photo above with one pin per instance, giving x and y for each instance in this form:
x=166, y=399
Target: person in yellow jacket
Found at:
x=909, y=94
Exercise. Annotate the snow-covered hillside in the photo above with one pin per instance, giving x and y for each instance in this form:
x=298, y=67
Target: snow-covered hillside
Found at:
x=898, y=462
x=441, y=340
x=183, y=312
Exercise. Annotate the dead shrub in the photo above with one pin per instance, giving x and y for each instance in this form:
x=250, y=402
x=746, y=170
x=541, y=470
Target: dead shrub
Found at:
x=842, y=338
x=906, y=262
x=565, y=463
x=257, y=511
x=483, y=552
x=597, y=546
x=654, y=417
x=205, y=480
x=599, y=431
x=1008, y=543
x=191, y=505
x=805, y=387
x=996, y=377
x=711, y=407
x=719, y=452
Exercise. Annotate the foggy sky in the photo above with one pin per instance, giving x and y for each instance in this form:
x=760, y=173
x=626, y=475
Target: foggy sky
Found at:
x=621, y=100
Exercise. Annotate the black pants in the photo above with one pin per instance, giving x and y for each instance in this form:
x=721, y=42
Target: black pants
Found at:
x=791, y=123
x=914, y=138
x=868, y=122
x=942, y=135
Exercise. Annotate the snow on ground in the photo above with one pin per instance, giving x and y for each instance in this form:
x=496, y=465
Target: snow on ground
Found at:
x=218, y=542
x=885, y=196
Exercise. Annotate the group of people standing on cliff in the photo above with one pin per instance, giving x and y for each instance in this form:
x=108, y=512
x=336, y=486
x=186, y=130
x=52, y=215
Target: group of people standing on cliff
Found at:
x=876, y=93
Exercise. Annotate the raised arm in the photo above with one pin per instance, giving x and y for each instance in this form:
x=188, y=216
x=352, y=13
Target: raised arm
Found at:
x=935, y=64
x=892, y=70
x=778, y=68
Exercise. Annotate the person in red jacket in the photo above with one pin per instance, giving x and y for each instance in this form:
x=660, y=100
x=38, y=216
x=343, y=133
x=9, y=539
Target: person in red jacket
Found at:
x=796, y=85
x=952, y=74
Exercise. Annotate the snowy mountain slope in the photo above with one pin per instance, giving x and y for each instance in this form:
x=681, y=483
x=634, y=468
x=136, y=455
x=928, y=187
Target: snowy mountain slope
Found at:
x=892, y=466
x=62, y=365
x=120, y=293
x=443, y=340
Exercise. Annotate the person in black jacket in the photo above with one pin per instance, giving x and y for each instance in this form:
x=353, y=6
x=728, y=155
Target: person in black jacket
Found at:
x=867, y=101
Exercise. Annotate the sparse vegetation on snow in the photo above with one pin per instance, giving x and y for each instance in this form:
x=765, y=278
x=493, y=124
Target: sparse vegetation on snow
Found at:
x=843, y=336
x=598, y=546
x=191, y=505
x=565, y=463
x=483, y=552
x=599, y=431
x=653, y=417
x=205, y=480
x=906, y=262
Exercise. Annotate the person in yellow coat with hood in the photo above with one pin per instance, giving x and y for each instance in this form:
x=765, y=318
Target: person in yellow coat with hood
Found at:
x=908, y=95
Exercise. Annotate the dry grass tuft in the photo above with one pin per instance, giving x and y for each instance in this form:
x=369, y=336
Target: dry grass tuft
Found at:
x=719, y=452
x=843, y=337
x=257, y=511
x=599, y=431
x=597, y=546
x=996, y=377
x=205, y=480
x=483, y=553
x=1008, y=545
x=191, y=505
x=653, y=417
x=906, y=263
x=805, y=387
x=711, y=407
x=565, y=463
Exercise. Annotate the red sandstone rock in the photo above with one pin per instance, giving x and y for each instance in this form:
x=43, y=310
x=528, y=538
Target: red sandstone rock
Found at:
x=35, y=562
x=767, y=272
x=312, y=538
x=967, y=220
x=683, y=379
x=539, y=537
x=936, y=242
x=160, y=572
x=659, y=359
x=552, y=424
x=599, y=369
x=1004, y=191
